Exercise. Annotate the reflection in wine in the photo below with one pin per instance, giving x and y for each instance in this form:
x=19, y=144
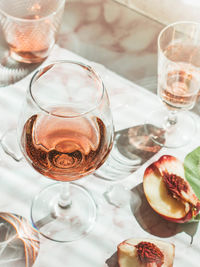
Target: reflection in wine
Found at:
x=65, y=149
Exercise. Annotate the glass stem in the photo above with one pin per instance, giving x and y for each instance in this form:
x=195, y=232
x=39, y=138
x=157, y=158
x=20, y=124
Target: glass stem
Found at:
x=64, y=199
x=171, y=119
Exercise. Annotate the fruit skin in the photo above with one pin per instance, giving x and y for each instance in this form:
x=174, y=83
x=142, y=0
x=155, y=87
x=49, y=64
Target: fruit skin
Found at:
x=128, y=257
x=170, y=207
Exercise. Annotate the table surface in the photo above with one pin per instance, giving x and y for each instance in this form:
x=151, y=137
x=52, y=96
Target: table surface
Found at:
x=114, y=35
x=117, y=37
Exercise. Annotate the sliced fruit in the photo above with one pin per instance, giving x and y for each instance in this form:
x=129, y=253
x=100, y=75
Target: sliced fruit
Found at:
x=168, y=191
x=145, y=253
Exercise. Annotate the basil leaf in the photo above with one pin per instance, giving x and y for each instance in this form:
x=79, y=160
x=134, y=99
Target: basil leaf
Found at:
x=197, y=218
x=192, y=170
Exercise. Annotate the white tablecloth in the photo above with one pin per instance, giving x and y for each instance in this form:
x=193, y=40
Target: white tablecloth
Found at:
x=19, y=183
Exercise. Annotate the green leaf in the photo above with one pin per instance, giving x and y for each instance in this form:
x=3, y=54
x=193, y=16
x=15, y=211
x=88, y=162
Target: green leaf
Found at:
x=192, y=170
x=197, y=218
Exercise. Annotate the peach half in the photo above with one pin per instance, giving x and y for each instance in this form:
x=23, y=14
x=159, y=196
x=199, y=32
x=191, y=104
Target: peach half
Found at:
x=168, y=192
x=145, y=253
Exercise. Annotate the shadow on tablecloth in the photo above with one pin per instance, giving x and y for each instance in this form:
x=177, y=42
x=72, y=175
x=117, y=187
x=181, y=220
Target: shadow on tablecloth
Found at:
x=152, y=222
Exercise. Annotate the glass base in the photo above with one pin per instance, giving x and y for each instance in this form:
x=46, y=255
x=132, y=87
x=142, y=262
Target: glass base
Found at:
x=28, y=58
x=177, y=135
x=63, y=224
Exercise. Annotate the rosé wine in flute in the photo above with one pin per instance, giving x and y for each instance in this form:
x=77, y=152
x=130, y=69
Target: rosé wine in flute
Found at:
x=178, y=84
x=179, y=80
x=179, y=91
x=65, y=150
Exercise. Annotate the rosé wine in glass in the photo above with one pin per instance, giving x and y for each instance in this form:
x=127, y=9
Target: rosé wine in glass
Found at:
x=65, y=150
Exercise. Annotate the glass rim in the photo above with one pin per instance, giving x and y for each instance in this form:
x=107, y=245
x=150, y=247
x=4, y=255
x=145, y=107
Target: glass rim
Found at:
x=78, y=63
x=33, y=20
x=172, y=25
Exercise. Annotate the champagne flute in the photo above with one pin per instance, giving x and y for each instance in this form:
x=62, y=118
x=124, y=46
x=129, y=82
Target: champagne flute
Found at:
x=65, y=132
x=178, y=83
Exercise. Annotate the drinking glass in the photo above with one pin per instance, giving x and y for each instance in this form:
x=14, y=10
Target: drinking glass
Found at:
x=30, y=27
x=65, y=132
x=19, y=241
x=178, y=83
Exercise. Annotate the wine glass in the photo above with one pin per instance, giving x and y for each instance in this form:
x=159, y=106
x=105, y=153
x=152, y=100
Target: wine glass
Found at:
x=178, y=83
x=19, y=241
x=65, y=132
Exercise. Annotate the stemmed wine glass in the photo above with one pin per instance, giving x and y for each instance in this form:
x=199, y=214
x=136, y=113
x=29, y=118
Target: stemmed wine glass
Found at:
x=65, y=132
x=178, y=83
